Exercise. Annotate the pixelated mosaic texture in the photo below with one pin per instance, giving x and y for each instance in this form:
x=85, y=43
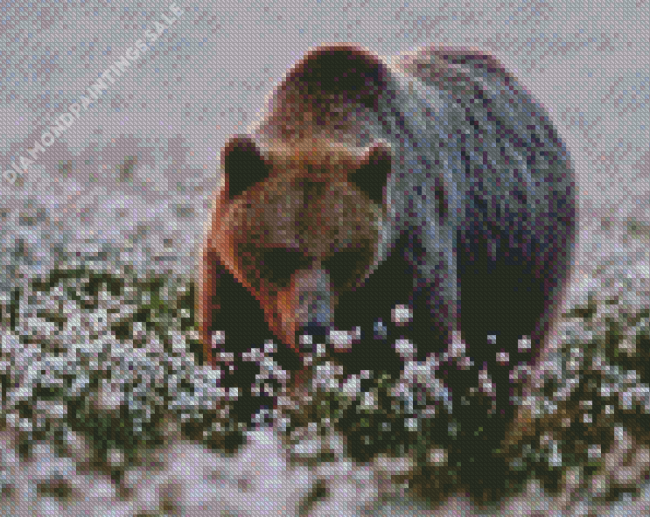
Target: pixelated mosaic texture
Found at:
x=99, y=242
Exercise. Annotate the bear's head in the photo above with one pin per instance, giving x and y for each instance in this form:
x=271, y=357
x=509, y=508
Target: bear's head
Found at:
x=299, y=224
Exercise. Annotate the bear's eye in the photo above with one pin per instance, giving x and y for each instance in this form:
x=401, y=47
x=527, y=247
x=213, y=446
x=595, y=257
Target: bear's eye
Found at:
x=346, y=267
x=279, y=264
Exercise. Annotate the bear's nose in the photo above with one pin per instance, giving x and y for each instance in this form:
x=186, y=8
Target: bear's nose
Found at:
x=314, y=329
x=318, y=332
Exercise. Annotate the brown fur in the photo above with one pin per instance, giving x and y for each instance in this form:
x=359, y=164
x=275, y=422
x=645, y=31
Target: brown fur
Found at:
x=473, y=230
x=305, y=204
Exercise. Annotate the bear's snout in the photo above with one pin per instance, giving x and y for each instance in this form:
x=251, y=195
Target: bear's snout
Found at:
x=312, y=303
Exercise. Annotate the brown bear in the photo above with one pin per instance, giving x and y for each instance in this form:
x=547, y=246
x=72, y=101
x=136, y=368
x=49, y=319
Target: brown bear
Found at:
x=432, y=180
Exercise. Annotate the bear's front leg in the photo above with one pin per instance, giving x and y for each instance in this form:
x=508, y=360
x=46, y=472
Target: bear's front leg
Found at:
x=435, y=300
x=207, y=284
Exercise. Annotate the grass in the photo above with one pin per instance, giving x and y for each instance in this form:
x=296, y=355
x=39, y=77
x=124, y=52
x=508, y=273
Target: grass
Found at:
x=105, y=366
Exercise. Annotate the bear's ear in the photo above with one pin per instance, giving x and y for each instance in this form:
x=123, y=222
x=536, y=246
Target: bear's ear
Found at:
x=374, y=168
x=243, y=165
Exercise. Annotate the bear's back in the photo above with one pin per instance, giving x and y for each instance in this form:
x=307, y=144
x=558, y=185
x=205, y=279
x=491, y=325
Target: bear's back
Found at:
x=512, y=168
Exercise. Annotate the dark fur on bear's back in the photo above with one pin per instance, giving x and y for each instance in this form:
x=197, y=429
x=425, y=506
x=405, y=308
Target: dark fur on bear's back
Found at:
x=480, y=196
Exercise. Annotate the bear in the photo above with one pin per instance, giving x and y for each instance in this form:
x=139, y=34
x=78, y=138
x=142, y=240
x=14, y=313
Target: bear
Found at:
x=430, y=180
